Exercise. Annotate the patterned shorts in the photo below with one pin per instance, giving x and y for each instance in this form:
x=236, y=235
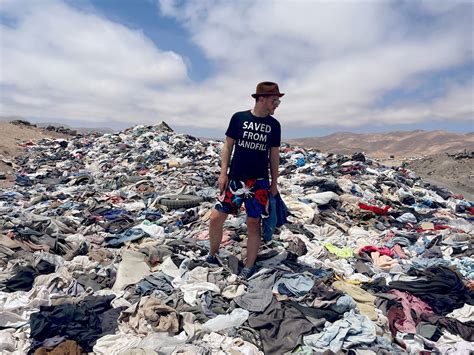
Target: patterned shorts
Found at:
x=253, y=193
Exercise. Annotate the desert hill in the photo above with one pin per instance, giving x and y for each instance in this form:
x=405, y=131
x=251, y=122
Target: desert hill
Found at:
x=400, y=143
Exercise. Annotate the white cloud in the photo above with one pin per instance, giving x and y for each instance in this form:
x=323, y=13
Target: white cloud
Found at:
x=334, y=59
x=79, y=65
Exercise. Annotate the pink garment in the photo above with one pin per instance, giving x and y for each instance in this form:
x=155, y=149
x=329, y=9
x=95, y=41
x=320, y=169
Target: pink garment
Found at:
x=398, y=251
x=226, y=237
x=410, y=303
x=370, y=248
x=203, y=235
x=383, y=261
x=390, y=235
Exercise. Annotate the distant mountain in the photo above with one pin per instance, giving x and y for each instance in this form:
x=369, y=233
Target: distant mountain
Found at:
x=399, y=143
x=83, y=130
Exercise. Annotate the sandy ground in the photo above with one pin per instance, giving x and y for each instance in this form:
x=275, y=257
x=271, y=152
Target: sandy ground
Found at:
x=442, y=170
x=455, y=174
x=11, y=136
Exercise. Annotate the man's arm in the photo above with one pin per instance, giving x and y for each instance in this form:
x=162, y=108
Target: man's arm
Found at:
x=274, y=165
x=225, y=160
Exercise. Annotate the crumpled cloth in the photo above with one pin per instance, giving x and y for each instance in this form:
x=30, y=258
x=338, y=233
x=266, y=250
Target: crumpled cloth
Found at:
x=413, y=308
x=340, y=252
x=383, y=261
x=364, y=300
x=352, y=330
x=150, y=315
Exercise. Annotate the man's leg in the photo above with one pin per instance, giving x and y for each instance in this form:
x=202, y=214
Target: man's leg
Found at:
x=253, y=240
x=216, y=225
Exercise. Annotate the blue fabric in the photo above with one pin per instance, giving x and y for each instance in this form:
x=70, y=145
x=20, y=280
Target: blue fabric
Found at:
x=293, y=285
x=404, y=242
x=351, y=331
x=343, y=304
x=23, y=180
x=114, y=214
x=117, y=240
x=277, y=216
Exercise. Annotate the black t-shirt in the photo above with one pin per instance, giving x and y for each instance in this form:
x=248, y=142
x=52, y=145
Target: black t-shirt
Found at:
x=254, y=136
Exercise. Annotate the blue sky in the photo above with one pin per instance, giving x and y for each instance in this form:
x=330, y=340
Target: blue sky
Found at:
x=361, y=66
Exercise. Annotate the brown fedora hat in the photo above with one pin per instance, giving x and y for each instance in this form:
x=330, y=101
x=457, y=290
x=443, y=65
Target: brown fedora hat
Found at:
x=267, y=88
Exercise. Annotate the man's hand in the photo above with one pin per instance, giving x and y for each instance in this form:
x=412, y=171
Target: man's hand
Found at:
x=222, y=182
x=274, y=189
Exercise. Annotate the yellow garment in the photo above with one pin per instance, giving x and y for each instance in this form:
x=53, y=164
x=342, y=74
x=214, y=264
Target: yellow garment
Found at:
x=352, y=282
x=364, y=300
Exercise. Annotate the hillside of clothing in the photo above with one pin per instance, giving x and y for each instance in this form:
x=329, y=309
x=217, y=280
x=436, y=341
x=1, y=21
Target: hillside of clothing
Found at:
x=373, y=260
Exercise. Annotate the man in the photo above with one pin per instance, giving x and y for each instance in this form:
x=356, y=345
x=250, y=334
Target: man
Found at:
x=253, y=137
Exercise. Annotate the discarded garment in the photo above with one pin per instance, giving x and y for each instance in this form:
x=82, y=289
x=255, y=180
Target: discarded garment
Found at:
x=351, y=331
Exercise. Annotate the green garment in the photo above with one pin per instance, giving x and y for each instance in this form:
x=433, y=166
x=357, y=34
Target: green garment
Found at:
x=340, y=252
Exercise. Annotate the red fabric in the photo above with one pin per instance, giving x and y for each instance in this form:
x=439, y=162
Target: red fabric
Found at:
x=438, y=227
x=472, y=210
x=348, y=169
x=115, y=199
x=26, y=144
x=371, y=248
x=375, y=209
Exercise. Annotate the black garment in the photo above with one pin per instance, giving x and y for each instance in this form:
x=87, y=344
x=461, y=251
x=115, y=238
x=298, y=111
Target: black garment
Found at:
x=85, y=322
x=254, y=136
x=438, y=286
x=379, y=285
x=281, y=327
x=465, y=330
x=318, y=316
x=25, y=276
x=94, y=281
x=22, y=280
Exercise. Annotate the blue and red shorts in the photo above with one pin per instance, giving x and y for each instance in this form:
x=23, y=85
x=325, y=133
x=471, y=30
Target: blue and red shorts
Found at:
x=253, y=193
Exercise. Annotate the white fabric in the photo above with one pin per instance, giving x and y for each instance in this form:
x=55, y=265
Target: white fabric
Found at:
x=464, y=314
x=131, y=269
x=153, y=230
x=322, y=198
x=114, y=344
x=192, y=291
x=303, y=212
x=223, y=321
x=16, y=307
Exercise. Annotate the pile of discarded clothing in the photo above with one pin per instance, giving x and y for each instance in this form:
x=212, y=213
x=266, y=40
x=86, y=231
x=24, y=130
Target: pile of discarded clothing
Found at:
x=103, y=242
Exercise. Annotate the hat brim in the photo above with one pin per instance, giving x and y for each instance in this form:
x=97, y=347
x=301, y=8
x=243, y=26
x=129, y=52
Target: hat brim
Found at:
x=266, y=94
